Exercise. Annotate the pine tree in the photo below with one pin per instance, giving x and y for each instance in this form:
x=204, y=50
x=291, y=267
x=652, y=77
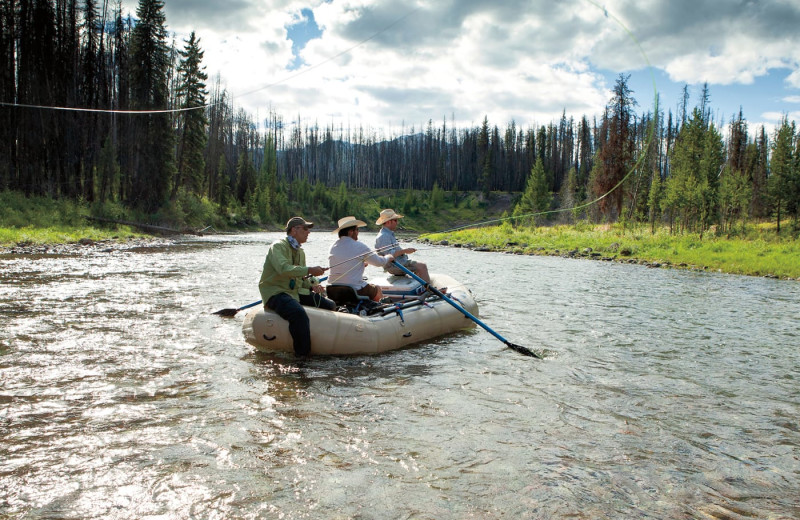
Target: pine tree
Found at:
x=152, y=165
x=782, y=181
x=568, y=193
x=484, y=163
x=245, y=176
x=39, y=169
x=697, y=160
x=711, y=165
x=536, y=197
x=683, y=187
x=616, y=152
x=88, y=95
x=757, y=169
x=8, y=92
x=192, y=122
x=735, y=193
x=654, y=199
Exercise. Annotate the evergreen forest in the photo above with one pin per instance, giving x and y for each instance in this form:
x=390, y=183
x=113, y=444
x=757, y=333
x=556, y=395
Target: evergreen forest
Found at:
x=106, y=109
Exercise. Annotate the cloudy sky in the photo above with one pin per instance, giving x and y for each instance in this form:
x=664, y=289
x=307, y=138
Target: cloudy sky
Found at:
x=389, y=64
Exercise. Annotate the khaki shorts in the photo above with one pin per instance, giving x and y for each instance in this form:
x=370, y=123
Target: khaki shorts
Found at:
x=369, y=290
x=411, y=265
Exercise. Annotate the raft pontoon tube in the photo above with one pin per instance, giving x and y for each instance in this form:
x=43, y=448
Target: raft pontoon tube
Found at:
x=414, y=316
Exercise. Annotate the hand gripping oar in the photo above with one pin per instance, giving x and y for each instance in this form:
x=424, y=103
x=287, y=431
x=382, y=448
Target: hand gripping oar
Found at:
x=465, y=312
x=232, y=312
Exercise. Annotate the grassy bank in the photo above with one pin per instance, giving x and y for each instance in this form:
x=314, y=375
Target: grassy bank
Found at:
x=41, y=220
x=759, y=253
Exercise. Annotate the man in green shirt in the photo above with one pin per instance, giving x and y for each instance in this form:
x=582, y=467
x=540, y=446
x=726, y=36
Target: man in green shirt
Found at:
x=286, y=285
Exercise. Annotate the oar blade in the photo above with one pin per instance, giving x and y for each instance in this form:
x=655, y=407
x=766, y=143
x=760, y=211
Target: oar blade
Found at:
x=523, y=350
x=226, y=312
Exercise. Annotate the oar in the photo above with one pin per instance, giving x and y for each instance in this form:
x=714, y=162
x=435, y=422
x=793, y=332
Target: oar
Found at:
x=232, y=312
x=465, y=312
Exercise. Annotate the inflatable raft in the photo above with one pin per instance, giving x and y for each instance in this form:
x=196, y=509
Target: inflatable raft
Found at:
x=413, y=316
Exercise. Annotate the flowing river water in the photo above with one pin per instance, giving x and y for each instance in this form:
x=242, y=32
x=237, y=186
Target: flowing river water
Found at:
x=663, y=394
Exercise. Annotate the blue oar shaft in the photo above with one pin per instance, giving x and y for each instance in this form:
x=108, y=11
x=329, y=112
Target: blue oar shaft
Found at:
x=440, y=294
x=465, y=312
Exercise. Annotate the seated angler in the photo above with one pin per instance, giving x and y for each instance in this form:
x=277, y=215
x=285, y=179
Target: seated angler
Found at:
x=286, y=285
x=386, y=243
x=347, y=256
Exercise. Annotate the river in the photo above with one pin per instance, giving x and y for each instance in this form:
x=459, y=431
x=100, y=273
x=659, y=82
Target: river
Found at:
x=662, y=394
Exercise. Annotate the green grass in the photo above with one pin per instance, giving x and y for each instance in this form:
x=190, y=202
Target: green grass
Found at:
x=60, y=235
x=760, y=254
x=42, y=220
x=752, y=250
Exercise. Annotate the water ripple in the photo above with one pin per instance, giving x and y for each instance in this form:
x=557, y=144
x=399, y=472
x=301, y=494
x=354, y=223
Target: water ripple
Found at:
x=663, y=394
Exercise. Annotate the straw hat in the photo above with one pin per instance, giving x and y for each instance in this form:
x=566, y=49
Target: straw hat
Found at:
x=350, y=221
x=387, y=214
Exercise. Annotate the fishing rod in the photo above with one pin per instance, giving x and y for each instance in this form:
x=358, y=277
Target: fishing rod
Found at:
x=228, y=312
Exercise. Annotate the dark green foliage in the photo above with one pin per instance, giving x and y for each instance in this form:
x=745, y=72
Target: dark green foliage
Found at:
x=690, y=194
x=18, y=210
x=192, y=120
x=784, y=180
x=735, y=194
x=634, y=167
x=436, y=200
x=151, y=171
x=536, y=197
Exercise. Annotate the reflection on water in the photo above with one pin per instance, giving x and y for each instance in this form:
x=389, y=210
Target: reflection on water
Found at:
x=664, y=394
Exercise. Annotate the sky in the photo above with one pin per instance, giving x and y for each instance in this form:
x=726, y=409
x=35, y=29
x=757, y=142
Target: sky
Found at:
x=391, y=65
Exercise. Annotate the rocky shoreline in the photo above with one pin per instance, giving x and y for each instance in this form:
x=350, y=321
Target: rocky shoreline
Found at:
x=85, y=246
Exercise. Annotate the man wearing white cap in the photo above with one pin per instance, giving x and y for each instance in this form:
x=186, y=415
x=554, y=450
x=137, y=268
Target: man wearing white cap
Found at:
x=347, y=257
x=386, y=243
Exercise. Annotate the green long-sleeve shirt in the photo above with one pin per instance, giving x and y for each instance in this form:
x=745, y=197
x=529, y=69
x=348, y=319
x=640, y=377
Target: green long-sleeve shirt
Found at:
x=282, y=265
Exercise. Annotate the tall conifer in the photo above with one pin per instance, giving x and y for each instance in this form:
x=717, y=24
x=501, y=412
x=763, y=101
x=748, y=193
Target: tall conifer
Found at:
x=192, y=121
x=152, y=163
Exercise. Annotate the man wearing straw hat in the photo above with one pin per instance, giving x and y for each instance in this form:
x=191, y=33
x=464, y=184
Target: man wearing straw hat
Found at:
x=286, y=284
x=347, y=257
x=386, y=243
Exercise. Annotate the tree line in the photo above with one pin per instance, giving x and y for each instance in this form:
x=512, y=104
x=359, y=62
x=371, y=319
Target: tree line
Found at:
x=158, y=134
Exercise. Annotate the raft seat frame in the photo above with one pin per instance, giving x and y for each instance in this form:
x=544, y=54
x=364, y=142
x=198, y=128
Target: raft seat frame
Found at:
x=346, y=296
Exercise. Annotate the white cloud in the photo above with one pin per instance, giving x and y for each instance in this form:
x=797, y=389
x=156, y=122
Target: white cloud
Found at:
x=382, y=62
x=793, y=80
x=718, y=41
x=776, y=117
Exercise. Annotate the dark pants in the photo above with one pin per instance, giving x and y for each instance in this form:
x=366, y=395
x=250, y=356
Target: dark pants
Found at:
x=292, y=311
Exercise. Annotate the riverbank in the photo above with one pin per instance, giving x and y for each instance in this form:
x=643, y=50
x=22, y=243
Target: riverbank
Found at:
x=37, y=225
x=759, y=254
x=84, y=246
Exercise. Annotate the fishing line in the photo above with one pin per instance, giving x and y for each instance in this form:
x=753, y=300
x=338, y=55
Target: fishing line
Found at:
x=209, y=105
x=363, y=257
x=636, y=165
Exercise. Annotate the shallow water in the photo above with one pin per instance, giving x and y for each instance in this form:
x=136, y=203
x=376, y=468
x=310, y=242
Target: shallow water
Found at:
x=663, y=394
